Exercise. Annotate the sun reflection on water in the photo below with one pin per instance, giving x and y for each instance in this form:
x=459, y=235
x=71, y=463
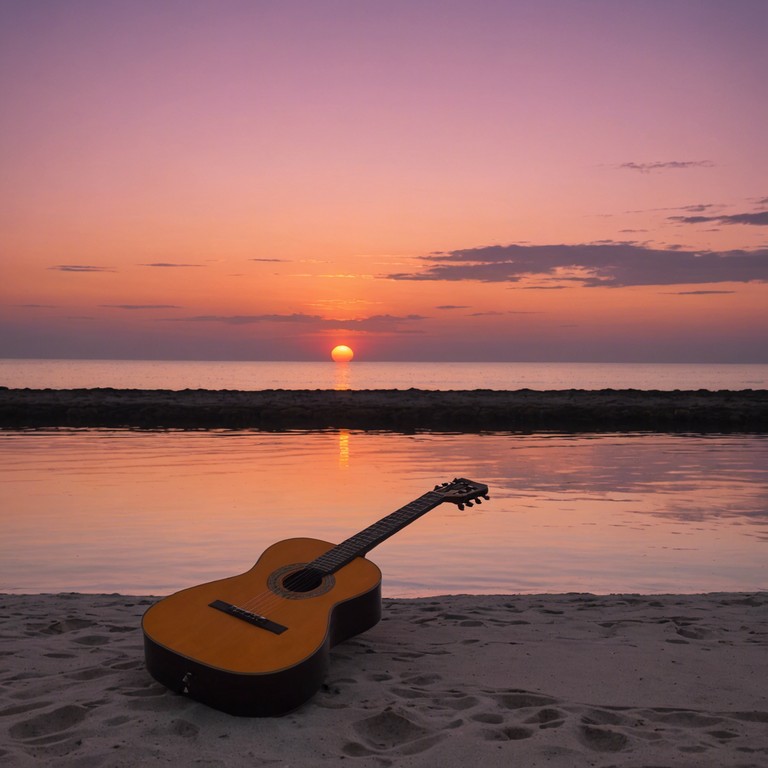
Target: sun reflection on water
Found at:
x=343, y=448
x=341, y=377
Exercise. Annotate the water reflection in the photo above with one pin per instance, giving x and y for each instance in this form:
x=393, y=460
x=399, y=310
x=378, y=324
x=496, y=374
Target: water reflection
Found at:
x=142, y=512
x=341, y=376
x=343, y=448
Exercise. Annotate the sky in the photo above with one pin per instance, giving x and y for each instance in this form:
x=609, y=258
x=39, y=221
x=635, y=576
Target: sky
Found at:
x=511, y=180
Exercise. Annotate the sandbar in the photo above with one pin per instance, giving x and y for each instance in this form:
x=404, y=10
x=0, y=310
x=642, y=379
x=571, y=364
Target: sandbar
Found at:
x=392, y=410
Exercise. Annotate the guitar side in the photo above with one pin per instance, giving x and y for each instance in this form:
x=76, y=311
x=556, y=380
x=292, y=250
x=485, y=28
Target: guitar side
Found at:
x=272, y=655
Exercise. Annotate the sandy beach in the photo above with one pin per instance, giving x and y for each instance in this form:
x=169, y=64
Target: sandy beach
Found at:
x=552, y=680
x=396, y=410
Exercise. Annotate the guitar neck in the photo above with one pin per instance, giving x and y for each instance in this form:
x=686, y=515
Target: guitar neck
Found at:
x=363, y=542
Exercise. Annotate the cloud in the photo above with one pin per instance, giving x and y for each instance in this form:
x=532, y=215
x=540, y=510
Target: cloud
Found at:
x=491, y=313
x=141, y=306
x=36, y=306
x=494, y=313
x=695, y=293
x=268, y=260
x=249, y=319
x=697, y=208
x=666, y=166
x=759, y=219
x=80, y=268
x=372, y=324
x=169, y=264
x=452, y=306
x=593, y=265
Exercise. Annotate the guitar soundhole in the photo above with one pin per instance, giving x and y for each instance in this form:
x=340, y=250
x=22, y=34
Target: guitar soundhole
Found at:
x=297, y=582
x=304, y=580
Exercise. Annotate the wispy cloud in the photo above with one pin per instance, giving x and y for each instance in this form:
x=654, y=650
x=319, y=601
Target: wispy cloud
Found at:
x=36, y=306
x=759, y=219
x=372, y=324
x=667, y=165
x=270, y=260
x=452, y=306
x=80, y=268
x=494, y=313
x=249, y=319
x=593, y=265
x=698, y=207
x=169, y=264
x=490, y=313
x=141, y=306
x=696, y=293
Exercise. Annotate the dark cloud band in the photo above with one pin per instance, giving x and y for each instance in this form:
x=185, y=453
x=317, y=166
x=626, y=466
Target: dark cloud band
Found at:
x=372, y=324
x=666, y=166
x=593, y=265
x=759, y=219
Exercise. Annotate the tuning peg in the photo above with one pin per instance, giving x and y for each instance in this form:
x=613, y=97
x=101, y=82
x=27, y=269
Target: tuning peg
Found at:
x=437, y=487
x=487, y=498
x=468, y=503
x=461, y=507
x=478, y=500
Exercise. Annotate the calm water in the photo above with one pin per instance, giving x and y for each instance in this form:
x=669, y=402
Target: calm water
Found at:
x=152, y=512
x=138, y=374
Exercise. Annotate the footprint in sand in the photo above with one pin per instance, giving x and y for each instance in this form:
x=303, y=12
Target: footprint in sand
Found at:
x=47, y=724
x=508, y=733
x=67, y=625
x=91, y=640
x=391, y=732
x=601, y=739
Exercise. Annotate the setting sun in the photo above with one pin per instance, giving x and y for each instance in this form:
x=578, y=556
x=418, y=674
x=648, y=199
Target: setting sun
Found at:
x=342, y=353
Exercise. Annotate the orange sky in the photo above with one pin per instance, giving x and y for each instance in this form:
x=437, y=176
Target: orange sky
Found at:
x=247, y=180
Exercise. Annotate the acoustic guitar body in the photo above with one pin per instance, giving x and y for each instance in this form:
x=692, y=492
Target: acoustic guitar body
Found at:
x=258, y=644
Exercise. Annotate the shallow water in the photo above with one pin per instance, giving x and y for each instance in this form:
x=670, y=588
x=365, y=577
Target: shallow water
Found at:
x=164, y=374
x=152, y=512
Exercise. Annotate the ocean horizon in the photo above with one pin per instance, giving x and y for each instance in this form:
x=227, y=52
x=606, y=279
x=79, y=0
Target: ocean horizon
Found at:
x=260, y=375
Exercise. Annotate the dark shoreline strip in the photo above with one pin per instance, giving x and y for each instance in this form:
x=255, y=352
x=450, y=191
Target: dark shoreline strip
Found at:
x=393, y=410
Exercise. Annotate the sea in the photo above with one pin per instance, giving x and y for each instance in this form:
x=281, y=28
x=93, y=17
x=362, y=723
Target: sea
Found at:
x=178, y=375
x=154, y=511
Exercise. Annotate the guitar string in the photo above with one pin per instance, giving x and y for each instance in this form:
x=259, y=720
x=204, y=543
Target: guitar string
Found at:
x=268, y=603
x=346, y=549
x=271, y=605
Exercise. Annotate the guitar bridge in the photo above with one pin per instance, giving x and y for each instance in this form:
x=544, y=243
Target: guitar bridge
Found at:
x=248, y=616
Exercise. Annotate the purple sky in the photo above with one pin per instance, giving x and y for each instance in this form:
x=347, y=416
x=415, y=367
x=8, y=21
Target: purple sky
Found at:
x=419, y=180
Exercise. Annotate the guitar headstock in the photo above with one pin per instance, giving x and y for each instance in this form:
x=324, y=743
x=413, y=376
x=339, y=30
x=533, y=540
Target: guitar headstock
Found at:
x=463, y=492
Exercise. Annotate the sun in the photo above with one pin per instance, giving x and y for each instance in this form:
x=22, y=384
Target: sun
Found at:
x=342, y=353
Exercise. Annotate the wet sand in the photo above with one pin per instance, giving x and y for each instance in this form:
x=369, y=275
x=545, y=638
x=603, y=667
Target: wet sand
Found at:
x=533, y=680
x=396, y=410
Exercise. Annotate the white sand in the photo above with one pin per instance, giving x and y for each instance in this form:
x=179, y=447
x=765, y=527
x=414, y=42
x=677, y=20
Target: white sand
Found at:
x=556, y=680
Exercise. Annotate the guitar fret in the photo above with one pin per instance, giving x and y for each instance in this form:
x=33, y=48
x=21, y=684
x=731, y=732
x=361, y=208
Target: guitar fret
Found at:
x=362, y=542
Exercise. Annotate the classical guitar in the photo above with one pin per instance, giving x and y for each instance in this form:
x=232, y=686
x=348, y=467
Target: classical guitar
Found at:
x=258, y=644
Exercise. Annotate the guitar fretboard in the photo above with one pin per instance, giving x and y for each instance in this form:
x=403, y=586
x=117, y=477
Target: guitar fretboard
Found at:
x=373, y=535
